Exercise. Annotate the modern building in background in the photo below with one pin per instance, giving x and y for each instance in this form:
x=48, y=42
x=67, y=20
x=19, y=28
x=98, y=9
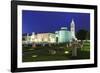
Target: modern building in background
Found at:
x=60, y=36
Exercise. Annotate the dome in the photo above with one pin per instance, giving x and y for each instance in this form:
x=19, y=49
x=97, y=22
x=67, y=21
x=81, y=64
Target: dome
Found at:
x=63, y=28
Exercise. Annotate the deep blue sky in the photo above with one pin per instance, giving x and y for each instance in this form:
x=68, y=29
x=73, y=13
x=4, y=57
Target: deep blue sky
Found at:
x=43, y=21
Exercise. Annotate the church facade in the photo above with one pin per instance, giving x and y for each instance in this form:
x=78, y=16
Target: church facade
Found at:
x=60, y=36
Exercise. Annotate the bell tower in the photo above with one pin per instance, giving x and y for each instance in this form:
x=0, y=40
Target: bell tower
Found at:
x=72, y=29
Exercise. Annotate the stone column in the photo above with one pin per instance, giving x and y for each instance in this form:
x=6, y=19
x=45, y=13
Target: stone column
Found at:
x=74, y=48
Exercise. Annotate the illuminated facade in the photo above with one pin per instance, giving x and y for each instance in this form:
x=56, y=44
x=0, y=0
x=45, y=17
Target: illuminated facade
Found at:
x=60, y=36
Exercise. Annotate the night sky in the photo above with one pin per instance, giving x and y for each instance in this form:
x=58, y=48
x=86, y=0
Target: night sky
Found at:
x=43, y=21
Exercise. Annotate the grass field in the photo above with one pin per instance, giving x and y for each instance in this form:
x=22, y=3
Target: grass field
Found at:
x=55, y=52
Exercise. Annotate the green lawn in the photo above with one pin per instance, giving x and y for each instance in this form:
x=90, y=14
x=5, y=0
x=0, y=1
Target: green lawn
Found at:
x=55, y=52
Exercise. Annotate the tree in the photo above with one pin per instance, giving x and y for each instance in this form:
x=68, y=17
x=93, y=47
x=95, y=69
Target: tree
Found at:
x=83, y=34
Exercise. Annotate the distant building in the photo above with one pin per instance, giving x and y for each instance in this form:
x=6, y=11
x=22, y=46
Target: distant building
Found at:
x=59, y=36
